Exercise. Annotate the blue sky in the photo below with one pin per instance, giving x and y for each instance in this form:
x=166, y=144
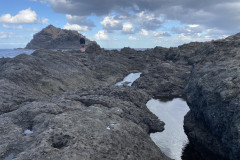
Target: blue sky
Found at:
x=121, y=23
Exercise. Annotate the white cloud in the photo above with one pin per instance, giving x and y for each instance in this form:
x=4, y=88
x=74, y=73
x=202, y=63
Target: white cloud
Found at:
x=198, y=33
x=26, y=16
x=192, y=19
x=220, y=14
x=161, y=34
x=132, y=38
x=45, y=21
x=4, y=35
x=80, y=20
x=148, y=20
x=75, y=27
x=110, y=23
x=12, y=27
x=144, y=32
x=35, y=29
x=101, y=35
x=193, y=25
x=215, y=33
x=193, y=30
x=192, y=38
x=128, y=28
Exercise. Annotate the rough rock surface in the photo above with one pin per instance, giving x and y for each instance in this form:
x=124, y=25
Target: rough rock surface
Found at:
x=88, y=123
x=56, y=38
x=99, y=121
x=162, y=75
x=167, y=70
x=96, y=121
x=45, y=72
x=183, y=53
x=164, y=80
x=213, y=95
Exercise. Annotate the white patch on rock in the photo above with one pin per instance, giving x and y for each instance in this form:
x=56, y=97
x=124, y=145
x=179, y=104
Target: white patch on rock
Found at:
x=28, y=131
x=129, y=79
x=111, y=126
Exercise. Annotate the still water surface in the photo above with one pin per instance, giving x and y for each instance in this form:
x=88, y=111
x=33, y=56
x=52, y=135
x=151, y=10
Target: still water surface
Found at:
x=173, y=139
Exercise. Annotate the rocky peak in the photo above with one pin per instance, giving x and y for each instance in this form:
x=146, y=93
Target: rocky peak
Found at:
x=56, y=38
x=51, y=29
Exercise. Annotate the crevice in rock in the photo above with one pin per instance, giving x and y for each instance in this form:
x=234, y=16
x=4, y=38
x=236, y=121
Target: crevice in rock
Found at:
x=60, y=141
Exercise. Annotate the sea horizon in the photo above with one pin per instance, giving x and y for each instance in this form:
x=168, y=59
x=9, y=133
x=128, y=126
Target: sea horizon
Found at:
x=13, y=52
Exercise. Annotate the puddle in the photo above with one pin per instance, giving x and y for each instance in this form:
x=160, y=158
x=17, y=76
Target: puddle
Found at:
x=173, y=139
x=28, y=131
x=129, y=79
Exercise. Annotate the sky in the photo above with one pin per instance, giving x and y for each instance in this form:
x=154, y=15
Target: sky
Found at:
x=121, y=23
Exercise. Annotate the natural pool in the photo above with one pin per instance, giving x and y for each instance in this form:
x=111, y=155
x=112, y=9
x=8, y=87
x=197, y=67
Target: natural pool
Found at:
x=173, y=139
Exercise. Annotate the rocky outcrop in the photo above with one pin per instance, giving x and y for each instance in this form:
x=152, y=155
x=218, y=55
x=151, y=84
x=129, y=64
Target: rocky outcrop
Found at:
x=164, y=79
x=38, y=94
x=167, y=71
x=46, y=72
x=69, y=101
x=183, y=53
x=213, y=95
x=88, y=123
x=56, y=38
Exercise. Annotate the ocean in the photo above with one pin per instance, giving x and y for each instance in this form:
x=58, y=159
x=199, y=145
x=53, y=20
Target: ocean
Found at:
x=14, y=52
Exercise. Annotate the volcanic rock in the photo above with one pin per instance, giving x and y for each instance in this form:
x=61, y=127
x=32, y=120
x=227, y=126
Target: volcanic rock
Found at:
x=68, y=101
x=56, y=38
x=164, y=79
x=39, y=96
x=213, y=95
x=89, y=123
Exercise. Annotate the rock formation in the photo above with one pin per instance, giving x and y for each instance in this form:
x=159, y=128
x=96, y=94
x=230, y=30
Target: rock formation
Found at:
x=89, y=123
x=56, y=38
x=167, y=71
x=69, y=101
x=213, y=95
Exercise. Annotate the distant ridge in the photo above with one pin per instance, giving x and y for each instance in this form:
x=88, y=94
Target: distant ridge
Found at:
x=56, y=38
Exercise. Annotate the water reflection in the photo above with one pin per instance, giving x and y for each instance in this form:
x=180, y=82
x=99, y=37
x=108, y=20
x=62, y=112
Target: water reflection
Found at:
x=173, y=139
x=129, y=79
